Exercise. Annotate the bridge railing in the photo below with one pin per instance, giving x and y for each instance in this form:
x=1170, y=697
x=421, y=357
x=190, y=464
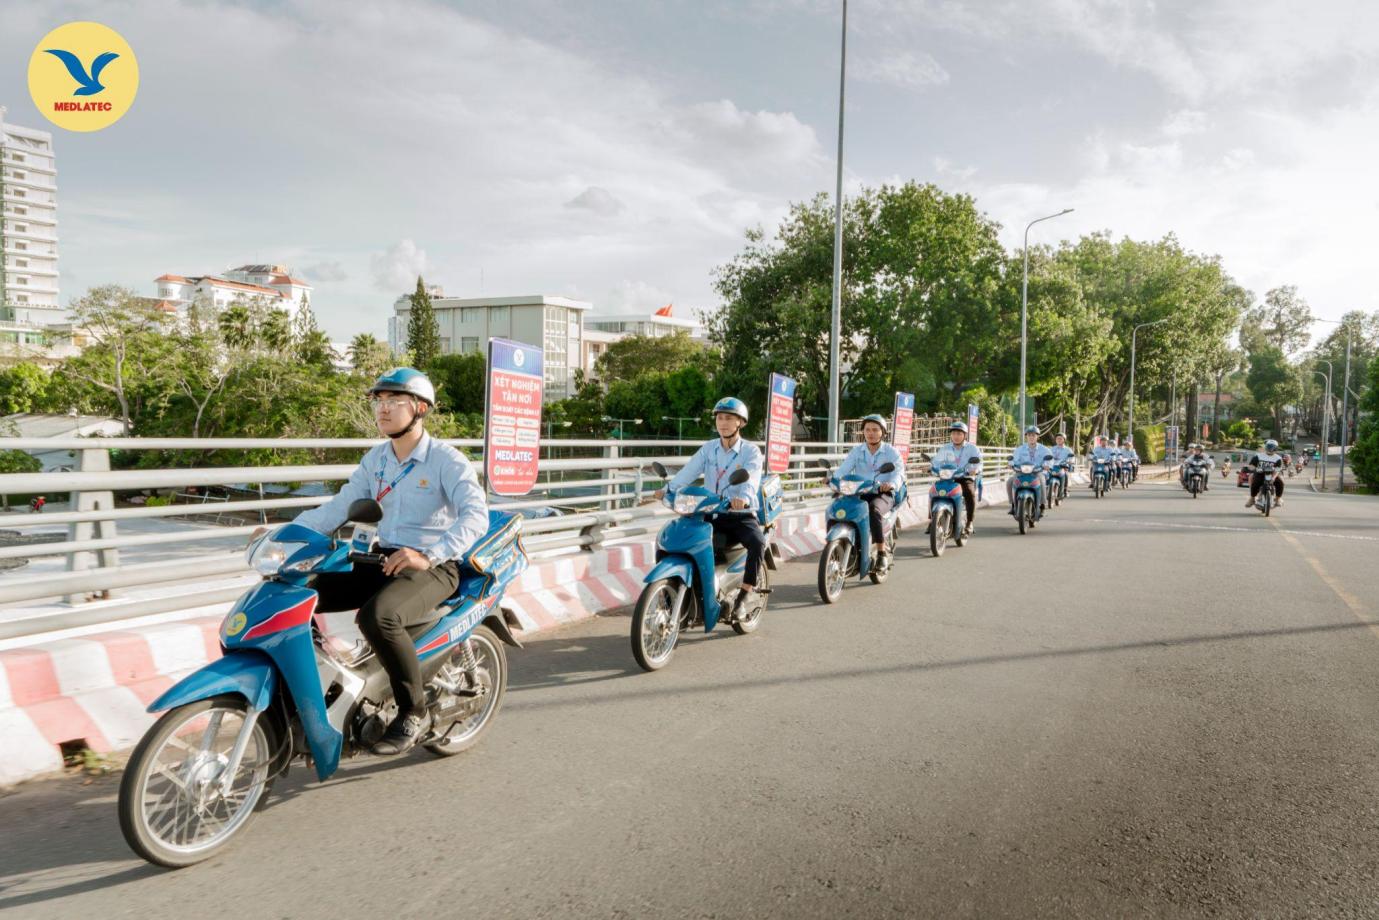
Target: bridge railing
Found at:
x=580, y=504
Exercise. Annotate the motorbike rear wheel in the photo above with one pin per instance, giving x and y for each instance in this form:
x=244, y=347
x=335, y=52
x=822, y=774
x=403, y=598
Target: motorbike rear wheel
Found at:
x=939, y=525
x=656, y=623
x=876, y=574
x=488, y=678
x=172, y=809
x=833, y=570
x=754, y=606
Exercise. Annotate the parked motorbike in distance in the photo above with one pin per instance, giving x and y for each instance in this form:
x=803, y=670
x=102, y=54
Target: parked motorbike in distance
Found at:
x=285, y=690
x=847, y=549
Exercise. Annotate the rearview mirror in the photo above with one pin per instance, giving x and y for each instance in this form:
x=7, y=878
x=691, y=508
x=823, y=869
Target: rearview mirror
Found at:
x=659, y=469
x=365, y=511
x=738, y=477
x=924, y=456
x=887, y=468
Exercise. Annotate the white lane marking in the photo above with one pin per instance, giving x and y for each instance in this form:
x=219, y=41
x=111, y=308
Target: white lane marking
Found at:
x=1336, y=587
x=1300, y=533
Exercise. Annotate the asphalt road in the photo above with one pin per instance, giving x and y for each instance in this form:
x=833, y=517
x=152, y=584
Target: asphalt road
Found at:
x=1149, y=706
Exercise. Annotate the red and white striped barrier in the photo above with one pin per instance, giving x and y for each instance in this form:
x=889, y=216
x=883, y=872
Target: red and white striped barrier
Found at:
x=94, y=690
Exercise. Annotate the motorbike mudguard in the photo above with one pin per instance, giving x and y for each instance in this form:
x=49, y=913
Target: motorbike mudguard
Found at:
x=249, y=673
x=499, y=624
x=683, y=567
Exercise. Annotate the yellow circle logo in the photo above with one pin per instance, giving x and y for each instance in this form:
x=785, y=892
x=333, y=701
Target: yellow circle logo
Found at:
x=83, y=76
x=236, y=624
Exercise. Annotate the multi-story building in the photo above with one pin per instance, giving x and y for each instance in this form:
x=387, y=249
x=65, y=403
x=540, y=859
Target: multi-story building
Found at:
x=653, y=324
x=28, y=229
x=274, y=284
x=466, y=324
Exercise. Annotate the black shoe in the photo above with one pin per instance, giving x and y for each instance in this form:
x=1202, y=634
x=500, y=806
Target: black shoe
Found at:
x=402, y=735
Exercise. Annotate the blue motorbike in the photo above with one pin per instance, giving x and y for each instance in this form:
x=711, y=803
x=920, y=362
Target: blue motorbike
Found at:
x=697, y=573
x=947, y=510
x=284, y=689
x=1058, y=482
x=847, y=551
x=1028, y=481
x=1101, y=476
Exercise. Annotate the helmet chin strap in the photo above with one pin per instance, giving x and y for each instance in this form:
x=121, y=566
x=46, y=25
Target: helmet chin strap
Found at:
x=416, y=417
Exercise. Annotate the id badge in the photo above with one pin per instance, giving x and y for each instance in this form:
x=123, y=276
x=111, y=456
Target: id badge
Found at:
x=364, y=538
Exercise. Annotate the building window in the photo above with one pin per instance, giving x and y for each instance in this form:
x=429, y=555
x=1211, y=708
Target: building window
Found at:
x=16, y=156
x=445, y=344
x=469, y=315
x=21, y=228
x=469, y=343
x=498, y=314
x=21, y=263
x=18, y=193
x=20, y=209
x=20, y=279
x=22, y=298
x=19, y=174
x=20, y=244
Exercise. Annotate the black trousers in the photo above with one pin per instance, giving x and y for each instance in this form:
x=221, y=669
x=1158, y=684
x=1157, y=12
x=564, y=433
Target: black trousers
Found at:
x=387, y=605
x=1257, y=483
x=744, y=529
x=879, y=506
x=969, y=498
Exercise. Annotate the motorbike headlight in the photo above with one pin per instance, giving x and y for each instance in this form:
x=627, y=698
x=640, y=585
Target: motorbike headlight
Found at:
x=1027, y=468
x=686, y=504
x=849, y=487
x=267, y=556
x=304, y=565
x=945, y=474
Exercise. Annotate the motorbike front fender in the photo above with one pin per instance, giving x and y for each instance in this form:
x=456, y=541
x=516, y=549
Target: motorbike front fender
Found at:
x=671, y=567
x=842, y=531
x=248, y=673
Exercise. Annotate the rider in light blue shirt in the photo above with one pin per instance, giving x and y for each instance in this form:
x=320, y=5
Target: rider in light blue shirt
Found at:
x=1031, y=452
x=864, y=461
x=966, y=460
x=1060, y=450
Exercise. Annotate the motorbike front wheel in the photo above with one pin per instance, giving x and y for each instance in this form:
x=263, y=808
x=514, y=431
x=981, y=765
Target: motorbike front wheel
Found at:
x=656, y=623
x=486, y=680
x=1026, y=514
x=939, y=526
x=833, y=570
x=173, y=807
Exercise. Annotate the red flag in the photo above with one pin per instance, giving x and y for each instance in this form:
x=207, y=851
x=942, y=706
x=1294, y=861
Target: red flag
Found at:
x=665, y=311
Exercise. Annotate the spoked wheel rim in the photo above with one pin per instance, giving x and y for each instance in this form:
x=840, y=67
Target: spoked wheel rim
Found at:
x=181, y=802
x=486, y=678
x=938, y=532
x=753, y=607
x=836, y=569
x=661, y=624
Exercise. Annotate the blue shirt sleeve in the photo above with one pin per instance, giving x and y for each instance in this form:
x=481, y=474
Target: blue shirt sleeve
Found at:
x=463, y=493
x=689, y=472
x=325, y=518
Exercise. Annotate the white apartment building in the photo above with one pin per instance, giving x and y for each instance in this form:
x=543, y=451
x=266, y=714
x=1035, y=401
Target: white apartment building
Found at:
x=275, y=284
x=466, y=324
x=28, y=230
x=651, y=324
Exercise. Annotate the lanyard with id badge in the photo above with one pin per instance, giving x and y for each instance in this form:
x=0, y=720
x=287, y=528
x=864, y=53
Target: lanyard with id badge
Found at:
x=365, y=536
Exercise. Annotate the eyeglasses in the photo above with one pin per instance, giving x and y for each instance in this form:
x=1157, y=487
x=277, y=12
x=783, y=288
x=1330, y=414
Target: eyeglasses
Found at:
x=396, y=402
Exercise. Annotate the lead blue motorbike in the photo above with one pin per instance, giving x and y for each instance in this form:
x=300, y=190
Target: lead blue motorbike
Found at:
x=847, y=550
x=284, y=689
x=1101, y=476
x=1028, y=482
x=947, y=510
x=697, y=573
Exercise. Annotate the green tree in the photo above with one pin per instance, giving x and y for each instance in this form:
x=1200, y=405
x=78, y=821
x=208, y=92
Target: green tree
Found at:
x=310, y=344
x=1364, y=455
x=369, y=356
x=1273, y=382
x=423, y=331
x=128, y=351
x=459, y=381
x=633, y=356
x=1283, y=321
x=23, y=388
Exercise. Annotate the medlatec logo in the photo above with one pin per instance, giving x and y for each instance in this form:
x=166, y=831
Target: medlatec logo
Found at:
x=77, y=96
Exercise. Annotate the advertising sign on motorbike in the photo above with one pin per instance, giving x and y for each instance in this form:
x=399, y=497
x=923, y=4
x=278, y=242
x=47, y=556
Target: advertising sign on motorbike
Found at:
x=902, y=423
x=780, y=416
x=972, y=422
x=512, y=417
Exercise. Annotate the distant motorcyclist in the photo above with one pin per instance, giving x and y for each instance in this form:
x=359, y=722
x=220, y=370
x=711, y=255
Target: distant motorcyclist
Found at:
x=865, y=460
x=1033, y=453
x=1196, y=454
x=966, y=460
x=1270, y=456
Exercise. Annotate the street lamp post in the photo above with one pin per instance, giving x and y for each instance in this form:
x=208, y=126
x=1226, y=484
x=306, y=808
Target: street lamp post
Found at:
x=620, y=421
x=836, y=321
x=1133, y=333
x=1326, y=417
x=679, y=421
x=1345, y=408
x=1024, y=311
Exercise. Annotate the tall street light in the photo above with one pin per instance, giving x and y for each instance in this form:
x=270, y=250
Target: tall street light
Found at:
x=1024, y=312
x=1345, y=395
x=679, y=421
x=836, y=324
x=1326, y=416
x=1133, y=333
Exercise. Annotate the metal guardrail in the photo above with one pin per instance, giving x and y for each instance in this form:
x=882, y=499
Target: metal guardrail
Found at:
x=614, y=496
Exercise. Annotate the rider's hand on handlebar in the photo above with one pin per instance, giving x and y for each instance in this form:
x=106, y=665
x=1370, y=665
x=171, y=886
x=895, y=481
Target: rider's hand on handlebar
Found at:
x=738, y=504
x=884, y=487
x=405, y=560
x=659, y=494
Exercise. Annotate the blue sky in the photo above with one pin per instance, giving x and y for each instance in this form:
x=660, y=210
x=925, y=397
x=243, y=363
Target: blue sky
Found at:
x=616, y=151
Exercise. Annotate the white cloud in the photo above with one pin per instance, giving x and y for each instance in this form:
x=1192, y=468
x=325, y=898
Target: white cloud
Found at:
x=904, y=69
x=596, y=199
x=397, y=269
x=1185, y=122
x=325, y=272
x=637, y=297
